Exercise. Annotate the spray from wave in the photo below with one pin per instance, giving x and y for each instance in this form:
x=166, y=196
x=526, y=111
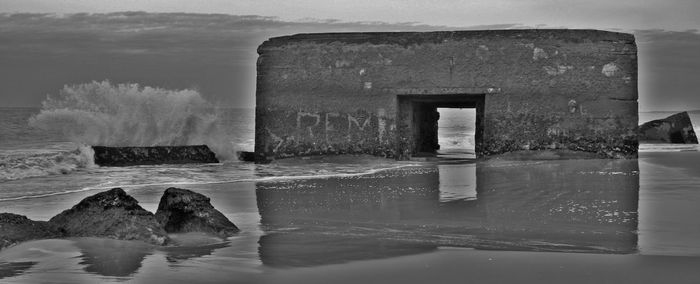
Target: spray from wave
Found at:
x=100, y=113
x=26, y=164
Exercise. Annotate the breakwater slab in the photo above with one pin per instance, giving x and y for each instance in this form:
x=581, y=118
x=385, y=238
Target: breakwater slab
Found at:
x=155, y=155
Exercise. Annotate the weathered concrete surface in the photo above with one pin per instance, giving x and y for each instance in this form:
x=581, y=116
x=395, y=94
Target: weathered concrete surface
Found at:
x=130, y=156
x=111, y=214
x=17, y=228
x=182, y=210
x=364, y=92
x=676, y=128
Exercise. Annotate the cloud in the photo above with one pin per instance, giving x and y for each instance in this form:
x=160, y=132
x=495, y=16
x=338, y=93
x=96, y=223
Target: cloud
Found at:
x=217, y=53
x=141, y=30
x=214, y=52
x=164, y=32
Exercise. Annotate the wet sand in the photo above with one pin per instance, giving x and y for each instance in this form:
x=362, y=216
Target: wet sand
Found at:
x=478, y=266
x=444, y=265
x=413, y=225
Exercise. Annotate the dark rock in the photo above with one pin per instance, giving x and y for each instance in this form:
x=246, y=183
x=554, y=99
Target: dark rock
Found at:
x=246, y=156
x=17, y=228
x=677, y=129
x=129, y=156
x=182, y=210
x=111, y=214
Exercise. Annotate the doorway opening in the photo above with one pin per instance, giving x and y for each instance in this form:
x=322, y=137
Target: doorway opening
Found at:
x=456, y=129
x=418, y=124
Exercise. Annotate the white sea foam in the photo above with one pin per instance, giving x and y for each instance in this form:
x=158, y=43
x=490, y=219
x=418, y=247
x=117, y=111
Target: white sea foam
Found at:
x=21, y=197
x=100, y=113
x=203, y=179
x=25, y=164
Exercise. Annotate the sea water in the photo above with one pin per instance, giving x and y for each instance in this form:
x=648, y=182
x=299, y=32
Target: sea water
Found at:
x=38, y=162
x=335, y=210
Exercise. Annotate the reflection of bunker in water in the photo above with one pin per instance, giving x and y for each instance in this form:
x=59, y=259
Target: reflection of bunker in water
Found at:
x=566, y=205
x=457, y=182
x=377, y=93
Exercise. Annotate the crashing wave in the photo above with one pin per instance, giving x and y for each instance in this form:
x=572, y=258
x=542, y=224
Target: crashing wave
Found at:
x=100, y=113
x=26, y=164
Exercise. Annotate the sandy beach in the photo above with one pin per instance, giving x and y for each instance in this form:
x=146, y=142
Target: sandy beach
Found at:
x=511, y=221
x=445, y=265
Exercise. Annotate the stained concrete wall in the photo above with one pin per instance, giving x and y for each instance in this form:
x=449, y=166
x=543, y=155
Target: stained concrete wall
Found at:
x=535, y=89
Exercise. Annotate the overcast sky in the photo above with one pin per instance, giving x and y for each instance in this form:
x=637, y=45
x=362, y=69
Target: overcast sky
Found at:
x=216, y=53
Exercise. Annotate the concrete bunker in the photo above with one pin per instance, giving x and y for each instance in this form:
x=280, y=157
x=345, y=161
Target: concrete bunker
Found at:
x=376, y=93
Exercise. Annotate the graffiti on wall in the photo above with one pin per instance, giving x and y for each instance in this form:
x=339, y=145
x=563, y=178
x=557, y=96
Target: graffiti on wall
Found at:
x=322, y=130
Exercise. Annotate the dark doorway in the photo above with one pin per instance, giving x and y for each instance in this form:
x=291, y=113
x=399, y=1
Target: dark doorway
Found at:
x=418, y=118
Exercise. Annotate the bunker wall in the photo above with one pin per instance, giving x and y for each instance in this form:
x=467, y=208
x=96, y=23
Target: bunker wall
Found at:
x=541, y=89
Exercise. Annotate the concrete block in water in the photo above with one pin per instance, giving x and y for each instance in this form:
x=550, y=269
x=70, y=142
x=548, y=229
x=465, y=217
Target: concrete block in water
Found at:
x=677, y=129
x=130, y=156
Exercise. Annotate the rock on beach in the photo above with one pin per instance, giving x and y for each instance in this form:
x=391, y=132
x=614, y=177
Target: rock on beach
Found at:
x=111, y=214
x=677, y=129
x=17, y=228
x=182, y=211
x=116, y=215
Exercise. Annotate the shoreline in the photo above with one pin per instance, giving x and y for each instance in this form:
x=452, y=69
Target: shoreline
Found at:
x=377, y=252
